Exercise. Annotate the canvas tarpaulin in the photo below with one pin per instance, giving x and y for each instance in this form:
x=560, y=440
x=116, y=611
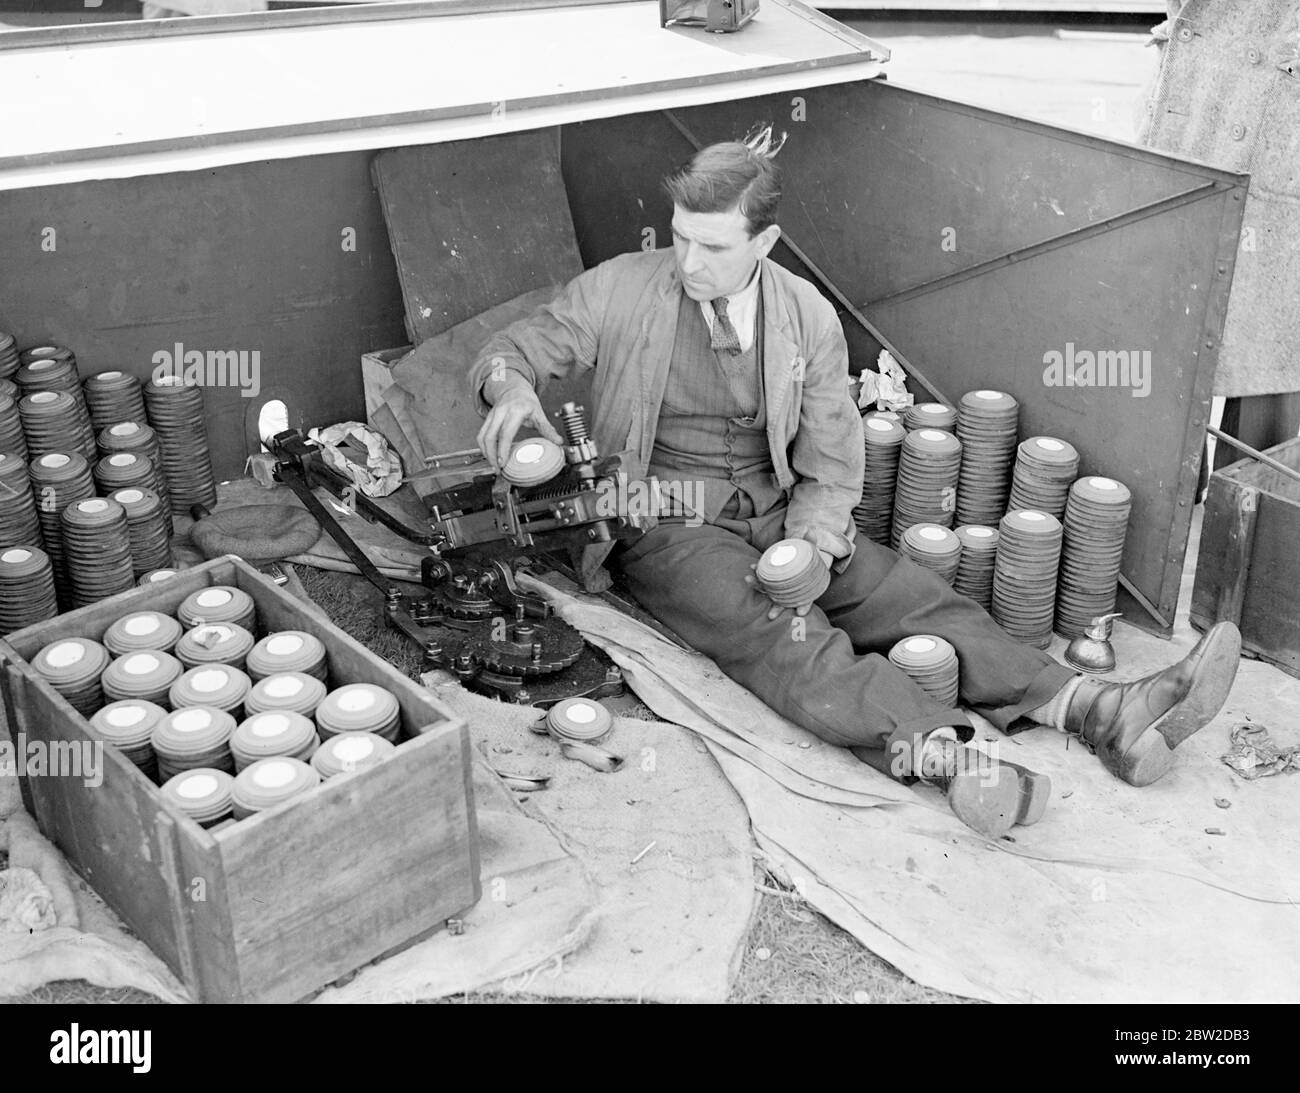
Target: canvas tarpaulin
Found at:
x=1119, y=894
x=666, y=856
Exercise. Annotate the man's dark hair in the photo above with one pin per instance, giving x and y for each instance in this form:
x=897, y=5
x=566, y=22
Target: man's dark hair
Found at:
x=728, y=176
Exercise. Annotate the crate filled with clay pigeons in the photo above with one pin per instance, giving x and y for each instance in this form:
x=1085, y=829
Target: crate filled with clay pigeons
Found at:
x=278, y=806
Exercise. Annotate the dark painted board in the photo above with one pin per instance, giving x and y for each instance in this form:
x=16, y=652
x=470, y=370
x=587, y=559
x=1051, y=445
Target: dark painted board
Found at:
x=997, y=329
x=874, y=174
x=245, y=257
x=903, y=168
x=475, y=223
x=612, y=169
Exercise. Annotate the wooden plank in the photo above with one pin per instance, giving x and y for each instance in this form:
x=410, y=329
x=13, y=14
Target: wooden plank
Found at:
x=106, y=831
x=311, y=883
x=1236, y=558
x=473, y=867
x=11, y=726
x=1251, y=472
x=167, y=841
x=1270, y=610
x=470, y=229
x=202, y=894
x=1220, y=503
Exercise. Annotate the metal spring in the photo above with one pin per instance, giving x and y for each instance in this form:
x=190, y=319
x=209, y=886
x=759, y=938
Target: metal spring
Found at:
x=575, y=427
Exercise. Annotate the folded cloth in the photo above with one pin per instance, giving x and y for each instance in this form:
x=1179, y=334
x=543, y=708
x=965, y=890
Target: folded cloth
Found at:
x=257, y=533
x=26, y=904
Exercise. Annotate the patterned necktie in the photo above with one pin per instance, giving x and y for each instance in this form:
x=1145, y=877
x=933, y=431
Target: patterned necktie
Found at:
x=724, y=334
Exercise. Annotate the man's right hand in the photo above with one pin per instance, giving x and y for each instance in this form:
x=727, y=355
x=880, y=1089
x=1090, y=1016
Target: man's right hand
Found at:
x=514, y=408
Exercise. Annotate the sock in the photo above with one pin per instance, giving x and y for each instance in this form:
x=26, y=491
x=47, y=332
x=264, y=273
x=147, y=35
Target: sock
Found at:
x=1052, y=712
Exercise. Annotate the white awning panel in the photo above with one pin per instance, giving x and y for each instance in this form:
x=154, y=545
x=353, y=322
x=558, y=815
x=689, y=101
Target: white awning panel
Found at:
x=148, y=105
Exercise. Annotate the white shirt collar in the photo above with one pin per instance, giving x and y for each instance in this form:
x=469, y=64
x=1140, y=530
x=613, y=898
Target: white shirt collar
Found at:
x=742, y=307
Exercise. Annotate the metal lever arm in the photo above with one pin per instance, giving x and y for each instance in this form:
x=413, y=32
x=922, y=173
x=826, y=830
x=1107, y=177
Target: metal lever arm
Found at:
x=292, y=475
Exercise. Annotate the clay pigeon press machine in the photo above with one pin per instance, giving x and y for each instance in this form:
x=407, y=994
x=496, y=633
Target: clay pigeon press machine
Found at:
x=475, y=621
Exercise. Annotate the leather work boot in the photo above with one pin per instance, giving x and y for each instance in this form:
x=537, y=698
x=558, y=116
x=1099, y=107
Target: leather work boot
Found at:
x=1134, y=727
x=987, y=795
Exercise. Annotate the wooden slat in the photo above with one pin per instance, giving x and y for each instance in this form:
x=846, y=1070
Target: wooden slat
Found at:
x=207, y=911
x=1237, y=555
x=167, y=840
x=106, y=831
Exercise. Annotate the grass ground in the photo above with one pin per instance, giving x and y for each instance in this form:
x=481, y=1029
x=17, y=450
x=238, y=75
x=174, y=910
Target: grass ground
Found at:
x=793, y=954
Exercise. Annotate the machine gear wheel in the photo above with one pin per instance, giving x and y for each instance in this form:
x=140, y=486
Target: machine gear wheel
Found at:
x=465, y=600
x=511, y=654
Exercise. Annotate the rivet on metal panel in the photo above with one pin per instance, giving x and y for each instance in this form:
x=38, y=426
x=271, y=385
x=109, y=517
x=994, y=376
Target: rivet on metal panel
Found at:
x=1209, y=343
x=1253, y=55
x=1223, y=271
x=1238, y=131
x=1182, y=503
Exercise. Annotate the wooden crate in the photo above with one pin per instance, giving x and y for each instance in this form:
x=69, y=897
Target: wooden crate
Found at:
x=278, y=905
x=1248, y=569
x=377, y=375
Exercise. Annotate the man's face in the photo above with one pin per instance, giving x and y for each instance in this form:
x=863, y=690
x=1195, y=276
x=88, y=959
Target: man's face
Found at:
x=715, y=254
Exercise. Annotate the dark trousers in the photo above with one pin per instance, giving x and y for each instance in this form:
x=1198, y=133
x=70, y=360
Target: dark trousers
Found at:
x=830, y=672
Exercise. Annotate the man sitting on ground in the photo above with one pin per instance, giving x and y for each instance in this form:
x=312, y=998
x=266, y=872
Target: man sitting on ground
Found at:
x=716, y=365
